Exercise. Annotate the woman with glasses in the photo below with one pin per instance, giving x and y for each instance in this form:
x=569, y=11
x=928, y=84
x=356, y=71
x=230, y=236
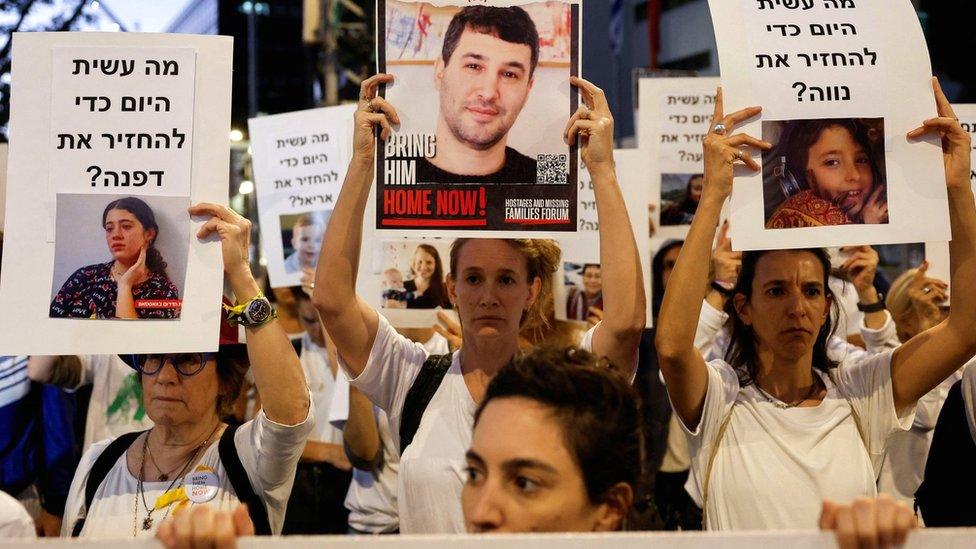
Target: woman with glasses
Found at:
x=126, y=486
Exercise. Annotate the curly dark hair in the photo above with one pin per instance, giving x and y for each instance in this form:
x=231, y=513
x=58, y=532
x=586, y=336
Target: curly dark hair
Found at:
x=597, y=409
x=145, y=215
x=511, y=24
x=742, y=354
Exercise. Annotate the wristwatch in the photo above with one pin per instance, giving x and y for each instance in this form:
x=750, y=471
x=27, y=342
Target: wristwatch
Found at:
x=254, y=313
x=725, y=288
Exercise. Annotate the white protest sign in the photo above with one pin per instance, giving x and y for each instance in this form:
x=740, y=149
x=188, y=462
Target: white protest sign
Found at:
x=3, y=182
x=116, y=135
x=675, y=115
x=967, y=117
x=122, y=122
x=841, y=83
x=300, y=160
x=577, y=281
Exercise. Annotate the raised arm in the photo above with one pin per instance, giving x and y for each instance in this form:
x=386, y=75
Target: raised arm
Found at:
x=348, y=318
x=277, y=371
x=683, y=367
x=925, y=360
x=618, y=335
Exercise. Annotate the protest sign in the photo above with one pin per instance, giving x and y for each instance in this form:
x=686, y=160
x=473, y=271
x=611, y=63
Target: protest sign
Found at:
x=116, y=137
x=841, y=83
x=578, y=285
x=479, y=151
x=675, y=115
x=300, y=160
x=3, y=182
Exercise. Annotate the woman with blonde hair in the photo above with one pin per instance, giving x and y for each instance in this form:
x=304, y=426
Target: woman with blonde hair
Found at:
x=495, y=286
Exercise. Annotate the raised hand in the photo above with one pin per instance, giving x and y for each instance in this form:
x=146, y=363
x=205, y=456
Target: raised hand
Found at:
x=373, y=111
x=592, y=124
x=723, y=149
x=861, y=266
x=956, y=142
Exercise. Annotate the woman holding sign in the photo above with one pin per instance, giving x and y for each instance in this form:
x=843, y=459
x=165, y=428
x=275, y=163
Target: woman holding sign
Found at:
x=777, y=427
x=495, y=285
x=134, y=283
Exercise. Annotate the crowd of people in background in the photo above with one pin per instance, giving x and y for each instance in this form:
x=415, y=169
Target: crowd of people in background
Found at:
x=774, y=391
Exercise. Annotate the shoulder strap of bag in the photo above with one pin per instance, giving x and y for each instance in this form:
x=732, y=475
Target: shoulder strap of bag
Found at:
x=103, y=464
x=711, y=461
x=419, y=396
x=242, y=485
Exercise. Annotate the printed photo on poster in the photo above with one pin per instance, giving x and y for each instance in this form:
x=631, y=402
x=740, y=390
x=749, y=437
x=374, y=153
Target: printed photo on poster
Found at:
x=584, y=290
x=414, y=274
x=680, y=194
x=483, y=95
x=825, y=172
x=301, y=239
x=119, y=256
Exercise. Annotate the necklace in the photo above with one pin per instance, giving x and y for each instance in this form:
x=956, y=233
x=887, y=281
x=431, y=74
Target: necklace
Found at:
x=163, y=476
x=141, y=494
x=783, y=405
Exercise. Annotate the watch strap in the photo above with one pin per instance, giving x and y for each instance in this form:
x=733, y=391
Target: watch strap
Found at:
x=875, y=307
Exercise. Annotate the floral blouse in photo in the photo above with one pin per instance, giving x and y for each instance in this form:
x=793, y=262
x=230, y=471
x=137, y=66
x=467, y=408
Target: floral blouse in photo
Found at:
x=91, y=292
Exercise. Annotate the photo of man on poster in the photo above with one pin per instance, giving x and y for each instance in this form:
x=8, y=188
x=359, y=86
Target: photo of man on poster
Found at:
x=484, y=76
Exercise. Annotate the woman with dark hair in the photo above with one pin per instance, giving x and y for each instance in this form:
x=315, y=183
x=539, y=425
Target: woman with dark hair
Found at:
x=134, y=283
x=556, y=447
x=834, y=167
x=778, y=427
x=661, y=267
x=496, y=287
x=682, y=212
x=427, y=285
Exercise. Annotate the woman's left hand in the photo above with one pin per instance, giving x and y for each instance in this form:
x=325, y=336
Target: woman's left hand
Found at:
x=861, y=266
x=234, y=232
x=957, y=144
x=593, y=123
x=137, y=273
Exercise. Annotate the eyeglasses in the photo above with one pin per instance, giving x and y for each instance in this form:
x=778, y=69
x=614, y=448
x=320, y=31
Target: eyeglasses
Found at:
x=186, y=364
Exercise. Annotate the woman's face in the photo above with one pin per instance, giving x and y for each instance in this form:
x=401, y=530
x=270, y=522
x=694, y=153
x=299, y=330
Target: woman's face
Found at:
x=788, y=303
x=171, y=398
x=522, y=477
x=424, y=264
x=592, y=282
x=307, y=241
x=490, y=289
x=839, y=170
x=125, y=235
x=695, y=186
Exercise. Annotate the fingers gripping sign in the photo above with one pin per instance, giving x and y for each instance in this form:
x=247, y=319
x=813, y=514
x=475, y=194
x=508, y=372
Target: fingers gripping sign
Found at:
x=373, y=112
x=722, y=149
x=592, y=124
x=233, y=230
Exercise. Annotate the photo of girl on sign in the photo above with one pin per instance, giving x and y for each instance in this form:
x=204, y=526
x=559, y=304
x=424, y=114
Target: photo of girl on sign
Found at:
x=825, y=172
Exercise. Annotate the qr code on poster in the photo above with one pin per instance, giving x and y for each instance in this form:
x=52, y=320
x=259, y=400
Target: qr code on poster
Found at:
x=551, y=169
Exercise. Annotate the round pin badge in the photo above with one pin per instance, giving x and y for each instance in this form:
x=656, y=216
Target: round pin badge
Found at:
x=200, y=485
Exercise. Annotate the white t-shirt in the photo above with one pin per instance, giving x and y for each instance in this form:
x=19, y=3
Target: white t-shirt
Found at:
x=15, y=521
x=432, y=470
x=322, y=385
x=774, y=467
x=372, y=496
x=269, y=453
x=116, y=405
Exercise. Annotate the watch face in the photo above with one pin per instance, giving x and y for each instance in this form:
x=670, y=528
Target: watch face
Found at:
x=259, y=310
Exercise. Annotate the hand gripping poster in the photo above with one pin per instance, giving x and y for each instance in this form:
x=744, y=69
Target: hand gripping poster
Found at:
x=300, y=160
x=483, y=93
x=841, y=83
x=114, y=136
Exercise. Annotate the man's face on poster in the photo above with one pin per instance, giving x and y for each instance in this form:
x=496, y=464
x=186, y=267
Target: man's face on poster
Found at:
x=483, y=87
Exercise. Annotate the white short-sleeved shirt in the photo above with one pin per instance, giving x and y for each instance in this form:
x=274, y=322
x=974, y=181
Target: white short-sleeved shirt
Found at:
x=372, y=496
x=269, y=453
x=432, y=470
x=774, y=467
